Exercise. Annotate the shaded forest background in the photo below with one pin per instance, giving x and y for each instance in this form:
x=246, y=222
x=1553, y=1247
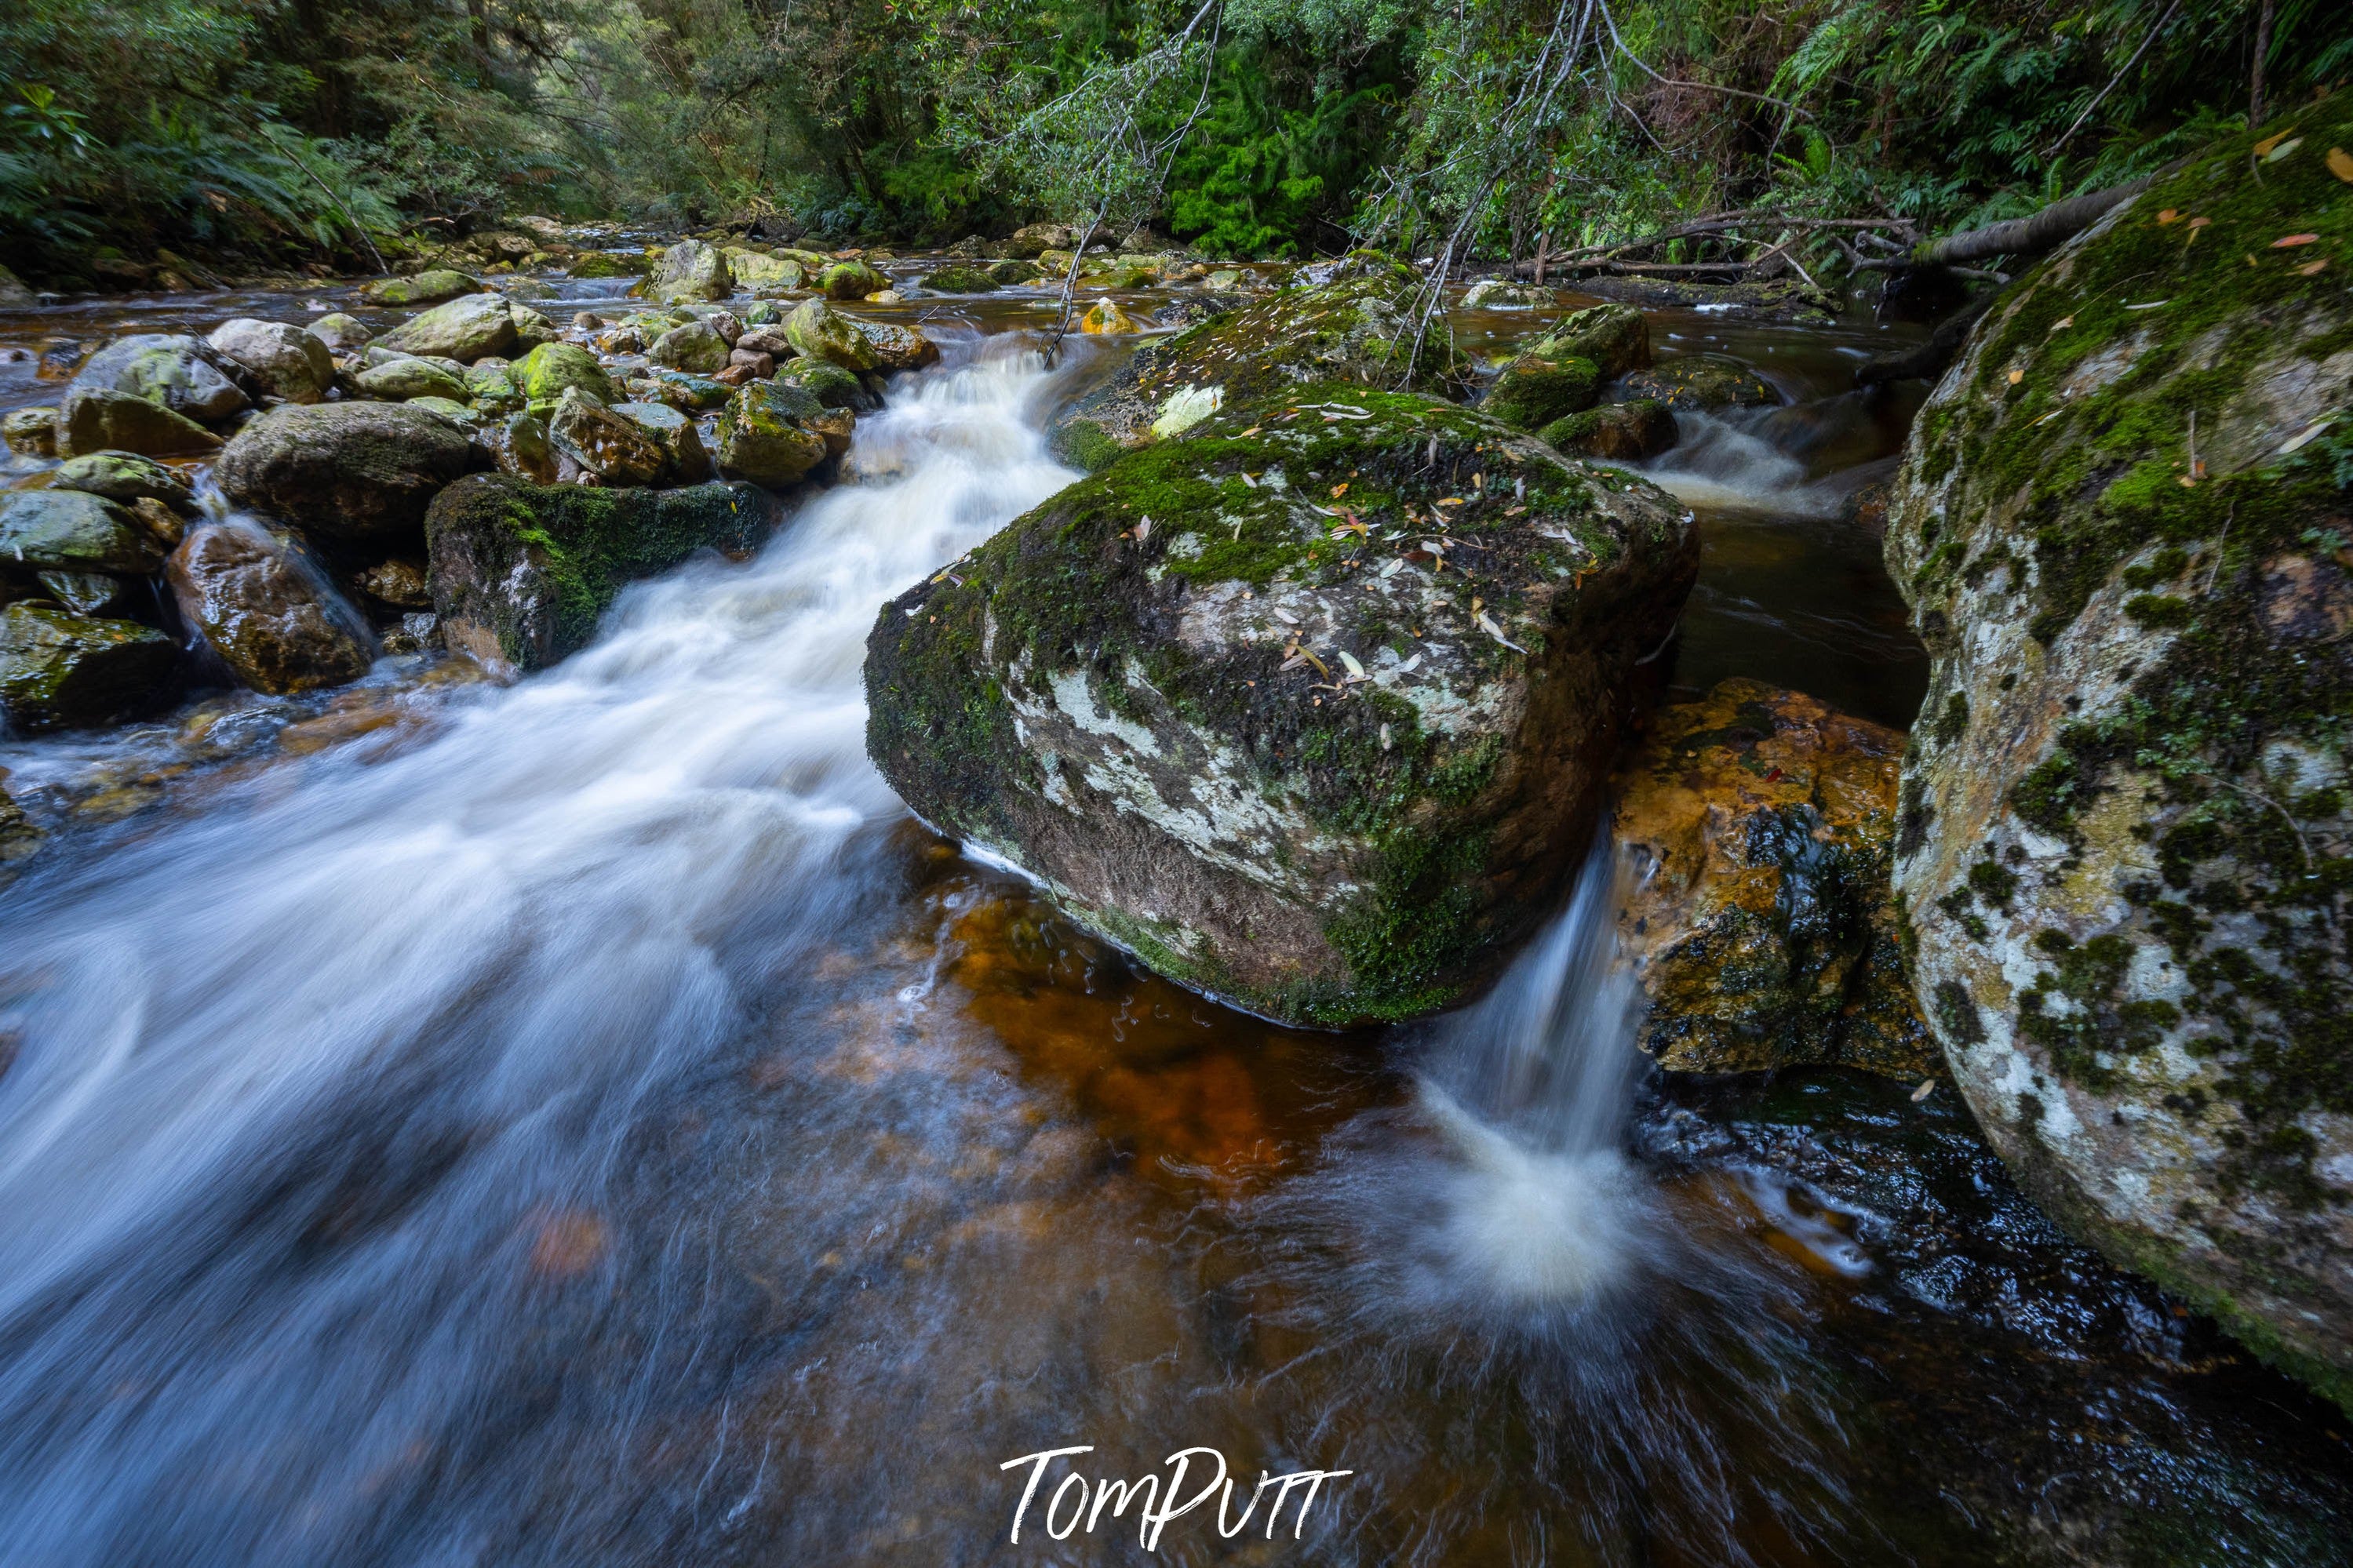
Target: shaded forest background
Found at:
x=278, y=130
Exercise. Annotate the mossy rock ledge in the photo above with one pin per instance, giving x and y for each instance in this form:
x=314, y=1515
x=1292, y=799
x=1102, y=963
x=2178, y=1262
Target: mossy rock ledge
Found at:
x=2122, y=831
x=520, y=573
x=1273, y=743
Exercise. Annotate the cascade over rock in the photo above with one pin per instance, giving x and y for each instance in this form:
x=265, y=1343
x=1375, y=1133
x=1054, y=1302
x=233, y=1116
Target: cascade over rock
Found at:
x=2124, y=845
x=1328, y=777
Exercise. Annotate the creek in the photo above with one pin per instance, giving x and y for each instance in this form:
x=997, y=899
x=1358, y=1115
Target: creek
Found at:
x=588, y=1121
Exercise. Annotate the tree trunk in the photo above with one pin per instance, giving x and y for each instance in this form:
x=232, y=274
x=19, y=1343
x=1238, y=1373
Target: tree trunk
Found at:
x=2045, y=230
x=2256, y=77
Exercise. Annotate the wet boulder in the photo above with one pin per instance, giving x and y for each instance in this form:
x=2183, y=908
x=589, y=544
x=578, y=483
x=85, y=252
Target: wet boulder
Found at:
x=427, y=287
x=1698, y=383
x=267, y=608
x=547, y=373
x=181, y=373
x=345, y=470
x=818, y=331
x=1534, y=391
x=341, y=333
x=765, y=435
x=898, y=348
x=601, y=446
x=288, y=363
x=1615, y=432
x=1357, y=324
x=755, y=271
x=1761, y=825
x=851, y=281
x=96, y=420
x=464, y=329
x=59, y=671
x=695, y=346
x=961, y=281
x=1105, y=318
x=1310, y=713
x=690, y=270
x=398, y=380
x=520, y=572
x=834, y=386
x=2126, y=822
x=31, y=432
x=517, y=445
x=72, y=530
x=1614, y=337
x=123, y=477
x=1033, y=240
x=610, y=264
x=686, y=460
x=1500, y=293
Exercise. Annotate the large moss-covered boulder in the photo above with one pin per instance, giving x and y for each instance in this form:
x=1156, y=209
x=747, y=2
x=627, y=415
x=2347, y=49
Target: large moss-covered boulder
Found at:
x=1534, y=391
x=1614, y=337
x=427, y=287
x=690, y=270
x=267, y=608
x=520, y=572
x=2125, y=845
x=1615, y=432
x=547, y=373
x=173, y=371
x=1360, y=326
x=345, y=470
x=59, y=670
x=610, y=264
x=765, y=435
x=961, y=281
x=288, y=362
x=465, y=329
x=124, y=477
x=1310, y=706
x=752, y=269
x=97, y=420
x=851, y=281
x=818, y=331
x=72, y=530
x=398, y=380
x=695, y=346
x=1759, y=917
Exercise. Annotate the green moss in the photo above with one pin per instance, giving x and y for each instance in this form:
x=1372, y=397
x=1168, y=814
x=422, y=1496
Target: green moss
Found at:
x=1954, y=721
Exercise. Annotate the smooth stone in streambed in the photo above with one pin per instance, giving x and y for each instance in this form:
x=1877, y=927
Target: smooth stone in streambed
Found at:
x=1615, y=432
x=520, y=572
x=124, y=477
x=72, y=530
x=345, y=470
x=341, y=333
x=96, y=420
x=687, y=459
x=765, y=435
x=690, y=270
x=1697, y=381
x=693, y=347
x=464, y=329
x=545, y=374
x=397, y=381
x=181, y=373
x=818, y=330
x=429, y=287
x=31, y=432
x=602, y=443
x=287, y=361
x=267, y=610
x=1281, y=759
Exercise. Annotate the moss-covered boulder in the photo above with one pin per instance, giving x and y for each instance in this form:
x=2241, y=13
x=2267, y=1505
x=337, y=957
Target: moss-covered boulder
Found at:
x=267, y=608
x=72, y=530
x=610, y=264
x=341, y=333
x=1309, y=706
x=1614, y=337
x=1105, y=318
x=59, y=671
x=549, y=371
x=686, y=460
x=31, y=432
x=962, y=280
x=600, y=447
x=170, y=370
x=1502, y=294
x=765, y=435
x=1762, y=825
x=690, y=270
x=398, y=380
x=427, y=287
x=834, y=386
x=1699, y=382
x=1004, y=274
x=2127, y=836
x=752, y=269
x=463, y=330
x=851, y=281
x=695, y=346
x=345, y=470
x=520, y=572
x=818, y=330
x=1615, y=432
x=97, y=420
x=124, y=477
x=898, y=347
x=1359, y=326
x=1533, y=391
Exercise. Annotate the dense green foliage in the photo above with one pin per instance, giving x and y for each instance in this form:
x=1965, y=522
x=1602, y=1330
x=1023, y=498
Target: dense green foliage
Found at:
x=281, y=127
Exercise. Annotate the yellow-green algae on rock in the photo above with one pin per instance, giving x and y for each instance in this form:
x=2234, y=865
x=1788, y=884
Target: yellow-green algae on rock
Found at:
x=2123, y=522
x=1309, y=706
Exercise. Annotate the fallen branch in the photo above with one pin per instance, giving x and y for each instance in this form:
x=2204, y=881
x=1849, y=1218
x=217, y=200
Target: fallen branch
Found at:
x=1713, y=224
x=2031, y=236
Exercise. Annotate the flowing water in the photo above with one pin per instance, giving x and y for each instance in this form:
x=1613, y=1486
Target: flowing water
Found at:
x=587, y=1122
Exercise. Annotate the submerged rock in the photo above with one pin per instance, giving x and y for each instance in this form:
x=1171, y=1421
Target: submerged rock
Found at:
x=520, y=572
x=1359, y=326
x=346, y=470
x=288, y=362
x=59, y=671
x=1761, y=922
x=1283, y=756
x=2125, y=841
x=267, y=609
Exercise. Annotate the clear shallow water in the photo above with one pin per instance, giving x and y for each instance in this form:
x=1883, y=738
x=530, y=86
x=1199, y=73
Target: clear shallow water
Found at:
x=587, y=1122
